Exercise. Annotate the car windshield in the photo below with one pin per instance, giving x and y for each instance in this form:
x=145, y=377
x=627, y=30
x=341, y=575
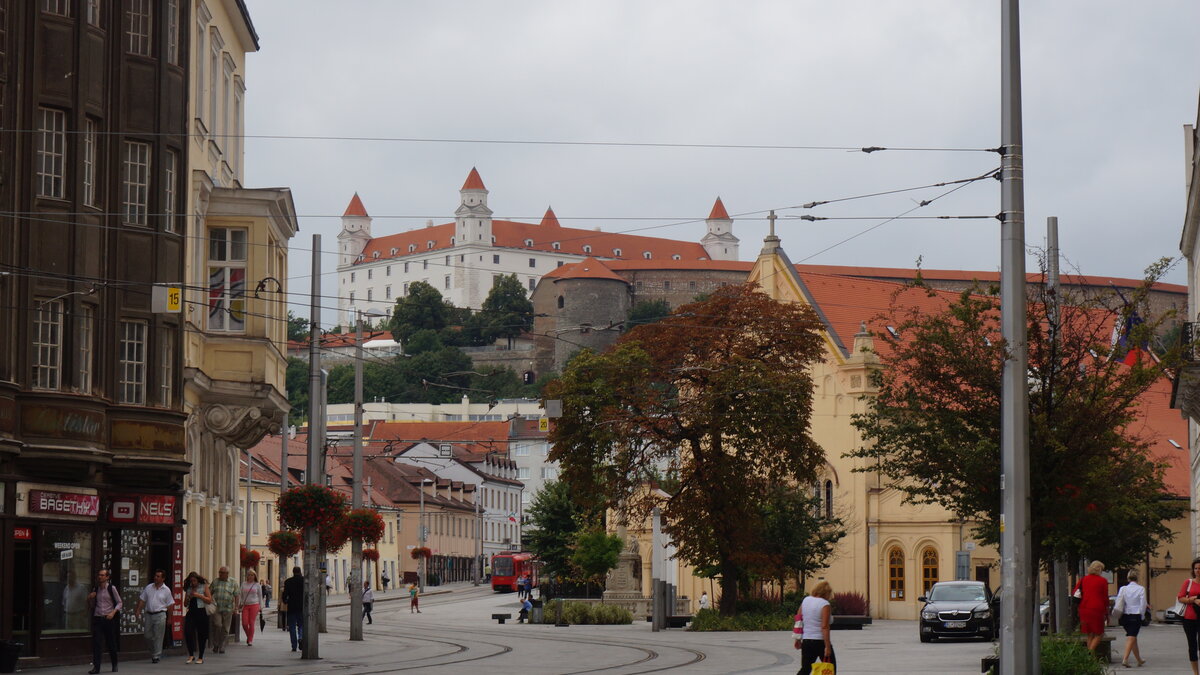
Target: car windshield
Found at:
x=956, y=594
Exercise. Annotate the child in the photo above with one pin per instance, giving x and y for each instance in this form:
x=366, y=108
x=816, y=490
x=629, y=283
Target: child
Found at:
x=413, y=605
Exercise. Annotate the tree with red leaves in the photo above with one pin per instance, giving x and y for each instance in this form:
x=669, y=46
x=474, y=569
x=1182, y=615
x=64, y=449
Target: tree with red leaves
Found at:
x=719, y=396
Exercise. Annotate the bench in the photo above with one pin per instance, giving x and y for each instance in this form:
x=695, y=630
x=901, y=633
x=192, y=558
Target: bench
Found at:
x=500, y=618
x=678, y=621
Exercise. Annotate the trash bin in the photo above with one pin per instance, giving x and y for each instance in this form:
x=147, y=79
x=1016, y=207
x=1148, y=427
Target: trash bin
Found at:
x=9, y=652
x=535, y=614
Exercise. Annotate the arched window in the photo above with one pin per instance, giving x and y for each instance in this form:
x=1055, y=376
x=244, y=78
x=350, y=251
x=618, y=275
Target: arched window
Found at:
x=375, y=254
x=617, y=252
x=929, y=569
x=587, y=248
x=428, y=244
x=528, y=242
x=393, y=250
x=676, y=257
x=412, y=247
x=560, y=302
x=829, y=499
x=896, y=573
x=647, y=255
x=556, y=246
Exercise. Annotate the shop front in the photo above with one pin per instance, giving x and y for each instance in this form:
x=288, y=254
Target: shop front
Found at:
x=61, y=536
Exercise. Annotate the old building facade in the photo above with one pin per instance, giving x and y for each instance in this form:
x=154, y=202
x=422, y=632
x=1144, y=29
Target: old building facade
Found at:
x=92, y=458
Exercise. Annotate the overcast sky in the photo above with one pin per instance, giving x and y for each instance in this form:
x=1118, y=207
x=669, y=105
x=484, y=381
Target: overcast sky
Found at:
x=1108, y=86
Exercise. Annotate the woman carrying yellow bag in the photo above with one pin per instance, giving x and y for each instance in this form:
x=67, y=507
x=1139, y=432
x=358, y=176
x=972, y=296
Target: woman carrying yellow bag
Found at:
x=816, y=650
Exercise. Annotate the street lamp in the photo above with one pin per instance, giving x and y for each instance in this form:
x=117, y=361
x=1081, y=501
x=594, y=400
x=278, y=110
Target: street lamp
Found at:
x=356, y=501
x=422, y=532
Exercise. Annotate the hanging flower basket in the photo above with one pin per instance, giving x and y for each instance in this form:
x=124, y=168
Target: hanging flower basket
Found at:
x=284, y=543
x=371, y=554
x=250, y=558
x=421, y=552
x=310, y=506
x=333, y=536
x=364, y=524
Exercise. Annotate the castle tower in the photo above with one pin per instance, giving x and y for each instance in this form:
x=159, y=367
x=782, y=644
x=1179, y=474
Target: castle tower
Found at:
x=356, y=232
x=719, y=241
x=473, y=218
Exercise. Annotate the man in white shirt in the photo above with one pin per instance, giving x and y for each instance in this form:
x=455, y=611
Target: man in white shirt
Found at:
x=156, y=599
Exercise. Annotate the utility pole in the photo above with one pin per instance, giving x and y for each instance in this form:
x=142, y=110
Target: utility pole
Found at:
x=1017, y=637
x=478, y=541
x=422, y=532
x=316, y=451
x=1061, y=610
x=282, y=572
x=356, y=547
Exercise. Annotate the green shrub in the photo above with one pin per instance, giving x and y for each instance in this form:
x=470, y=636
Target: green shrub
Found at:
x=793, y=598
x=583, y=613
x=609, y=615
x=576, y=613
x=758, y=606
x=1069, y=656
x=711, y=620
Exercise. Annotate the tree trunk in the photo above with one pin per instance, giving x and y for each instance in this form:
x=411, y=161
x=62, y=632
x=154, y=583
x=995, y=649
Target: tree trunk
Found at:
x=729, y=589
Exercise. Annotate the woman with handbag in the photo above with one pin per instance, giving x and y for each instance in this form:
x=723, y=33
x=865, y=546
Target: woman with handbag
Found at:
x=1189, y=595
x=1092, y=591
x=1131, y=606
x=816, y=649
x=199, y=603
x=250, y=600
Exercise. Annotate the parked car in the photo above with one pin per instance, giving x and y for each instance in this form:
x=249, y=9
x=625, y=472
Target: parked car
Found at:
x=1174, y=613
x=959, y=609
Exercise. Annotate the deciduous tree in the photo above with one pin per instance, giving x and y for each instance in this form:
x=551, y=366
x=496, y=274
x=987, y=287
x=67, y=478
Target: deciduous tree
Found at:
x=720, y=393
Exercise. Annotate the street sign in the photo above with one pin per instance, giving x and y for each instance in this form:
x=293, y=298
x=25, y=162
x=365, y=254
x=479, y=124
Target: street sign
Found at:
x=166, y=299
x=543, y=424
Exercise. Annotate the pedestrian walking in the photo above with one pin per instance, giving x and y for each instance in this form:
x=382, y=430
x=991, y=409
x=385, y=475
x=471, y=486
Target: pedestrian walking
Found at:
x=1131, y=600
x=156, y=599
x=266, y=593
x=385, y=581
x=815, y=644
x=1189, y=595
x=197, y=599
x=487, y=572
x=1092, y=591
x=413, y=604
x=703, y=599
x=224, y=592
x=291, y=603
x=368, y=601
x=250, y=601
x=105, y=603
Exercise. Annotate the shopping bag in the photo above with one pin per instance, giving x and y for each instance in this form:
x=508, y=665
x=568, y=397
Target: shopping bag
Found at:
x=798, y=627
x=822, y=668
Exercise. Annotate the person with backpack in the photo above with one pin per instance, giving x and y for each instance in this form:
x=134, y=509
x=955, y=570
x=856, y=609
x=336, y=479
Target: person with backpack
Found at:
x=105, y=603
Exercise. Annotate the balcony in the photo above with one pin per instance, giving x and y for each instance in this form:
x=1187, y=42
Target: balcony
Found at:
x=1186, y=396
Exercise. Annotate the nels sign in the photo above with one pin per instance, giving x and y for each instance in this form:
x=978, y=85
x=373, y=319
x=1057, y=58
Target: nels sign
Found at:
x=147, y=509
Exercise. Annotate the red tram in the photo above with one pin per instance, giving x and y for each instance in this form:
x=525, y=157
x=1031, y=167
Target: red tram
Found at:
x=508, y=567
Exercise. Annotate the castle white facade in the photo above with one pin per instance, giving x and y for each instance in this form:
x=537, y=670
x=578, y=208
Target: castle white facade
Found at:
x=463, y=258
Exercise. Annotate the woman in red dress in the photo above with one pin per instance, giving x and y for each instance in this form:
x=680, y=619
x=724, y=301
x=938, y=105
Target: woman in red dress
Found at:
x=1093, y=604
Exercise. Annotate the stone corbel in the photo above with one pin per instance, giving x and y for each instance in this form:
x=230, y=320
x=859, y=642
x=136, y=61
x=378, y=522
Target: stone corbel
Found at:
x=241, y=426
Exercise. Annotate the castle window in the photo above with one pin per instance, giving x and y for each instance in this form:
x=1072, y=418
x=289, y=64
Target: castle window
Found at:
x=387, y=292
x=375, y=254
x=617, y=252
x=587, y=248
x=532, y=283
x=495, y=259
x=676, y=257
x=429, y=245
x=556, y=246
x=387, y=271
x=412, y=247
x=533, y=262
x=529, y=242
x=352, y=275
x=369, y=275
x=561, y=302
x=447, y=261
x=691, y=285
x=896, y=574
x=447, y=281
x=370, y=294
x=647, y=255
x=666, y=285
x=406, y=268
x=393, y=250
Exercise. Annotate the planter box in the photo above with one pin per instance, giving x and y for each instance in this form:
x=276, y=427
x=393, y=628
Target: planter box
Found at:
x=849, y=622
x=988, y=662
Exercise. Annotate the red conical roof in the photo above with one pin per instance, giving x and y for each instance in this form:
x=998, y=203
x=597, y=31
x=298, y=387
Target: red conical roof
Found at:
x=355, y=208
x=474, y=182
x=550, y=220
x=718, y=211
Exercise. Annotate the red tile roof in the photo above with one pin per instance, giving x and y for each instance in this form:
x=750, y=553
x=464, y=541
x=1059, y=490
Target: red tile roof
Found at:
x=355, y=208
x=979, y=275
x=473, y=436
x=550, y=220
x=540, y=237
x=474, y=182
x=589, y=268
x=718, y=211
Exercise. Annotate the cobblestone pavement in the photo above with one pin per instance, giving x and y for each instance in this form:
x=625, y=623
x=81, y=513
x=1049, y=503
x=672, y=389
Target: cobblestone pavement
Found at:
x=455, y=634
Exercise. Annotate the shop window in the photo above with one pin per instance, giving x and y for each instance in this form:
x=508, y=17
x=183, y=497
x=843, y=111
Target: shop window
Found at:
x=929, y=569
x=896, y=574
x=66, y=569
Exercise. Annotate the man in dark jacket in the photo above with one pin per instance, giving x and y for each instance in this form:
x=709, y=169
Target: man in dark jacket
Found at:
x=293, y=598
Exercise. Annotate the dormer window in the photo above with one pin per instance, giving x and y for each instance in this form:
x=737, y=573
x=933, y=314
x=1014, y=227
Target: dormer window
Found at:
x=444, y=450
x=528, y=243
x=375, y=254
x=429, y=244
x=617, y=252
x=359, y=258
x=647, y=255
x=412, y=247
x=676, y=257
x=556, y=246
x=587, y=248
x=394, y=249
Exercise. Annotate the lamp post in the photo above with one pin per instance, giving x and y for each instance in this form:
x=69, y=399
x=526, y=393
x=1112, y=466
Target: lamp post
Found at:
x=356, y=501
x=422, y=532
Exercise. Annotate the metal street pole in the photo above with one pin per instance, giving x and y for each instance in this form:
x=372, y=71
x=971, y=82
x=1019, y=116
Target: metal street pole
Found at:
x=356, y=547
x=316, y=452
x=1061, y=609
x=421, y=532
x=478, y=551
x=1017, y=637
x=281, y=572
